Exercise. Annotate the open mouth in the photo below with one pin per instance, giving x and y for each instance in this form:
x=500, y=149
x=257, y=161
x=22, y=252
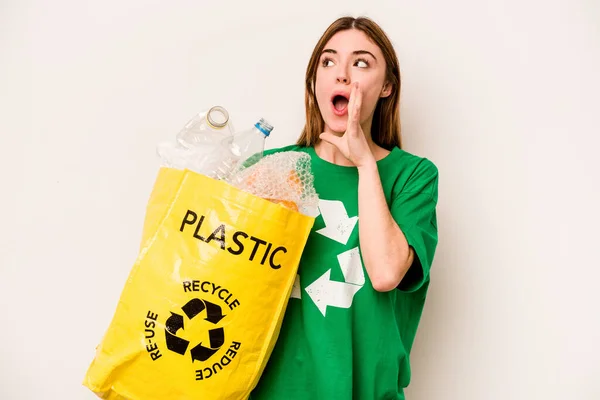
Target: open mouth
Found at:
x=340, y=104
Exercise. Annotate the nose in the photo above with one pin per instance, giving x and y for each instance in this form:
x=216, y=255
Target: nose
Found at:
x=343, y=76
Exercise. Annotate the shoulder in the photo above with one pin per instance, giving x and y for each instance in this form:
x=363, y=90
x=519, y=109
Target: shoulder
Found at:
x=412, y=173
x=421, y=166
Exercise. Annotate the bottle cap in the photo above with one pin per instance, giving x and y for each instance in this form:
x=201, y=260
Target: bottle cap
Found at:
x=264, y=127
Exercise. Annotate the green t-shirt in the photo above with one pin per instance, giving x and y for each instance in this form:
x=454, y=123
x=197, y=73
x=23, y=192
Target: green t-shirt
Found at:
x=340, y=338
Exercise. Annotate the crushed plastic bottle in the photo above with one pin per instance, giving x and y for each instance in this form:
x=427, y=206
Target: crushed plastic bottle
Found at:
x=207, y=127
x=198, y=146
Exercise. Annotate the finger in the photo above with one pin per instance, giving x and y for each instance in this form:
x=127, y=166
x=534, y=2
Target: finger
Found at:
x=357, y=104
x=351, y=103
x=354, y=118
x=331, y=138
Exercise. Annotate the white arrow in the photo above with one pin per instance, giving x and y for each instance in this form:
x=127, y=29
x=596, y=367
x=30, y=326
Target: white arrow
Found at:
x=338, y=226
x=351, y=266
x=325, y=292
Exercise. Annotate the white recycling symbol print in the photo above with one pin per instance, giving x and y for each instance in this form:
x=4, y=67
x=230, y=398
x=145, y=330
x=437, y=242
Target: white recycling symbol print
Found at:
x=338, y=226
x=324, y=291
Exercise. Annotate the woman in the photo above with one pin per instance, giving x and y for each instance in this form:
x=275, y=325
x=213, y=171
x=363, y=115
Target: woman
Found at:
x=364, y=274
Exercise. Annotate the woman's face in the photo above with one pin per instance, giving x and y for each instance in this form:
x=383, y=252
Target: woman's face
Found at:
x=349, y=56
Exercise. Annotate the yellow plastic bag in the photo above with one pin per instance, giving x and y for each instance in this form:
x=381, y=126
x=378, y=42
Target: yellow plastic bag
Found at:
x=203, y=305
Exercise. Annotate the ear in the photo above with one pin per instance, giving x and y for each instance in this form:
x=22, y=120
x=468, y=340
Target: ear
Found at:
x=386, y=90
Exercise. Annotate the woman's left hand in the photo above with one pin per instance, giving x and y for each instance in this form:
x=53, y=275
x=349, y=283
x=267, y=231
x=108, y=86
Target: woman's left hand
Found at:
x=353, y=143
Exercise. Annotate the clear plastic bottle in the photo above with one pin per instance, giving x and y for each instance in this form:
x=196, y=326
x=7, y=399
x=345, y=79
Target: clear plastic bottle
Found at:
x=199, y=144
x=246, y=147
x=206, y=128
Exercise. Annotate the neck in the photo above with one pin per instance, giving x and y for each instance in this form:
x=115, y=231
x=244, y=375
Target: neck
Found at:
x=330, y=153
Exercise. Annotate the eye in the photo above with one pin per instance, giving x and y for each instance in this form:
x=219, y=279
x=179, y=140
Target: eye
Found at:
x=361, y=63
x=327, y=62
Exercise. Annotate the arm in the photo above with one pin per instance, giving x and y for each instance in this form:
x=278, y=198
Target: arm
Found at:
x=385, y=250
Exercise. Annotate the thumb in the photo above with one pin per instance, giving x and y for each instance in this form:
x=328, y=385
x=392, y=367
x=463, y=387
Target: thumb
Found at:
x=330, y=138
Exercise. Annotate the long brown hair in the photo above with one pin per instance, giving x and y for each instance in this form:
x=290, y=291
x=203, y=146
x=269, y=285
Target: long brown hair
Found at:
x=385, y=130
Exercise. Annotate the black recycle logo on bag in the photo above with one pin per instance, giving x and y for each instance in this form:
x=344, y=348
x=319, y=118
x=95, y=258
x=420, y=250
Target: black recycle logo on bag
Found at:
x=192, y=309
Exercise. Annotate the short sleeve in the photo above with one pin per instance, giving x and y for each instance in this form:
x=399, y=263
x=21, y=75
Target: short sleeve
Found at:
x=414, y=210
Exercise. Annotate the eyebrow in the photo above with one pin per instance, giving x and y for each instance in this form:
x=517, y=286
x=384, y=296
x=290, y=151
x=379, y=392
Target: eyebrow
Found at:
x=357, y=52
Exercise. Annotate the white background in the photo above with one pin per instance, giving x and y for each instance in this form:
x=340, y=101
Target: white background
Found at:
x=502, y=96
